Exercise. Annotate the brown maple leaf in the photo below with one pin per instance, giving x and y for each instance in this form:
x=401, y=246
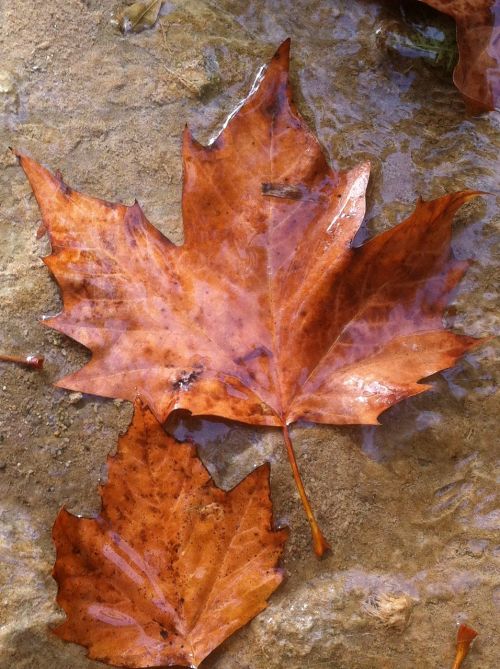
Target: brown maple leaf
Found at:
x=477, y=74
x=172, y=565
x=266, y=314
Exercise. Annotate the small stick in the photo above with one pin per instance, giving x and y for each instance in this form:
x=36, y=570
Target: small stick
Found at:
x=33, y=361
x=465, y=637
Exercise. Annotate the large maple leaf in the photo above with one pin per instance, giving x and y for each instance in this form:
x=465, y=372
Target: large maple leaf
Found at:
x=172, y=565
x=266, y=314
x=477, y=74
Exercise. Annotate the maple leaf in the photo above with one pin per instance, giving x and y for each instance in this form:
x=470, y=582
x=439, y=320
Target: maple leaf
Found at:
x=477, y=74
x=172, y=565
x=266, y=314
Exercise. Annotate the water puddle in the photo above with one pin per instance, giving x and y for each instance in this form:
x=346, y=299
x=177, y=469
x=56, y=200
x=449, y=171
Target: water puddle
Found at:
x=230, y=451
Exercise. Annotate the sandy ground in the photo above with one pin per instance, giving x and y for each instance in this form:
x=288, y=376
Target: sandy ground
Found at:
x=411, y=507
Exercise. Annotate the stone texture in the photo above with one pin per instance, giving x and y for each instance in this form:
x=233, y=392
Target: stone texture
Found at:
x=410, y=507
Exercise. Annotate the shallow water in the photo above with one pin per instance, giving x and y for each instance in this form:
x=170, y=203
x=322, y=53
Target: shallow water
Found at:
x=411, y=507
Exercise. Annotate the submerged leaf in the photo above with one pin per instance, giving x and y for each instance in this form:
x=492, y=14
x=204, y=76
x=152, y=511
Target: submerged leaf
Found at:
x=172, y=565
x=420, y=36
x=477, y=74
x=139, y=16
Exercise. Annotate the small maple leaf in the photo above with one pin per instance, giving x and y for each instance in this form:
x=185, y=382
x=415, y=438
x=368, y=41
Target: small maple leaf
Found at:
x=477, y=74
x=266, y=314
x=172, y=565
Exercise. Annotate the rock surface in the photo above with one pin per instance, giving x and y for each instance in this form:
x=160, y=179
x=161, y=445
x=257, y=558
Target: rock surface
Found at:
x=411, y=507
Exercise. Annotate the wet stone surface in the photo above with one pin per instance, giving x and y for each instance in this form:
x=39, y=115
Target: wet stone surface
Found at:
x=411, y=507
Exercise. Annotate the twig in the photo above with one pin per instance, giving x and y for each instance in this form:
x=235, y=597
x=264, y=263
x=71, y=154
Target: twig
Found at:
x=33, y=361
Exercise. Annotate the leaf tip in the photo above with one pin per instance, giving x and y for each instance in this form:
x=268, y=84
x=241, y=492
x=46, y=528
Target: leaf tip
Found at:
x=467, y=195
x=142, y=408
x=283, y=51
x=21, y=158
x=454, y=201
x=282, y=55
x=189, y=141
x=135, y=207
x=17, y=154
x=51, y=322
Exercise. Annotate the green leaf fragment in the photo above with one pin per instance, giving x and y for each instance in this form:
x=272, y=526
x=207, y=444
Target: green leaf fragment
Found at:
x=139, y=16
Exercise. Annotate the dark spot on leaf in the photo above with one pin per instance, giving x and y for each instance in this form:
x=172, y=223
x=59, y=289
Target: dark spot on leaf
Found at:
x=186, y=379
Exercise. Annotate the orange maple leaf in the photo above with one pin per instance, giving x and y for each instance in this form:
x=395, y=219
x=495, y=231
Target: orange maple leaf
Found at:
x=266, y=314
x=477, y=74
x=172, y=565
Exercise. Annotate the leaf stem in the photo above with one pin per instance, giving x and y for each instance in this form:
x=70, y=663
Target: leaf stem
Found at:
x=320, y=544
x=34, y=361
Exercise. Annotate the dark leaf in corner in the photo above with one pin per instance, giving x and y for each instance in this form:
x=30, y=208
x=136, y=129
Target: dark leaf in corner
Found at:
x=477, y=74
x=172, y=565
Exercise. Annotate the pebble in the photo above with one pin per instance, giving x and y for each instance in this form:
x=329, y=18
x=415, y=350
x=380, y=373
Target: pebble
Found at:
x=74, y=398
x=7, y=84
x=9, y=99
